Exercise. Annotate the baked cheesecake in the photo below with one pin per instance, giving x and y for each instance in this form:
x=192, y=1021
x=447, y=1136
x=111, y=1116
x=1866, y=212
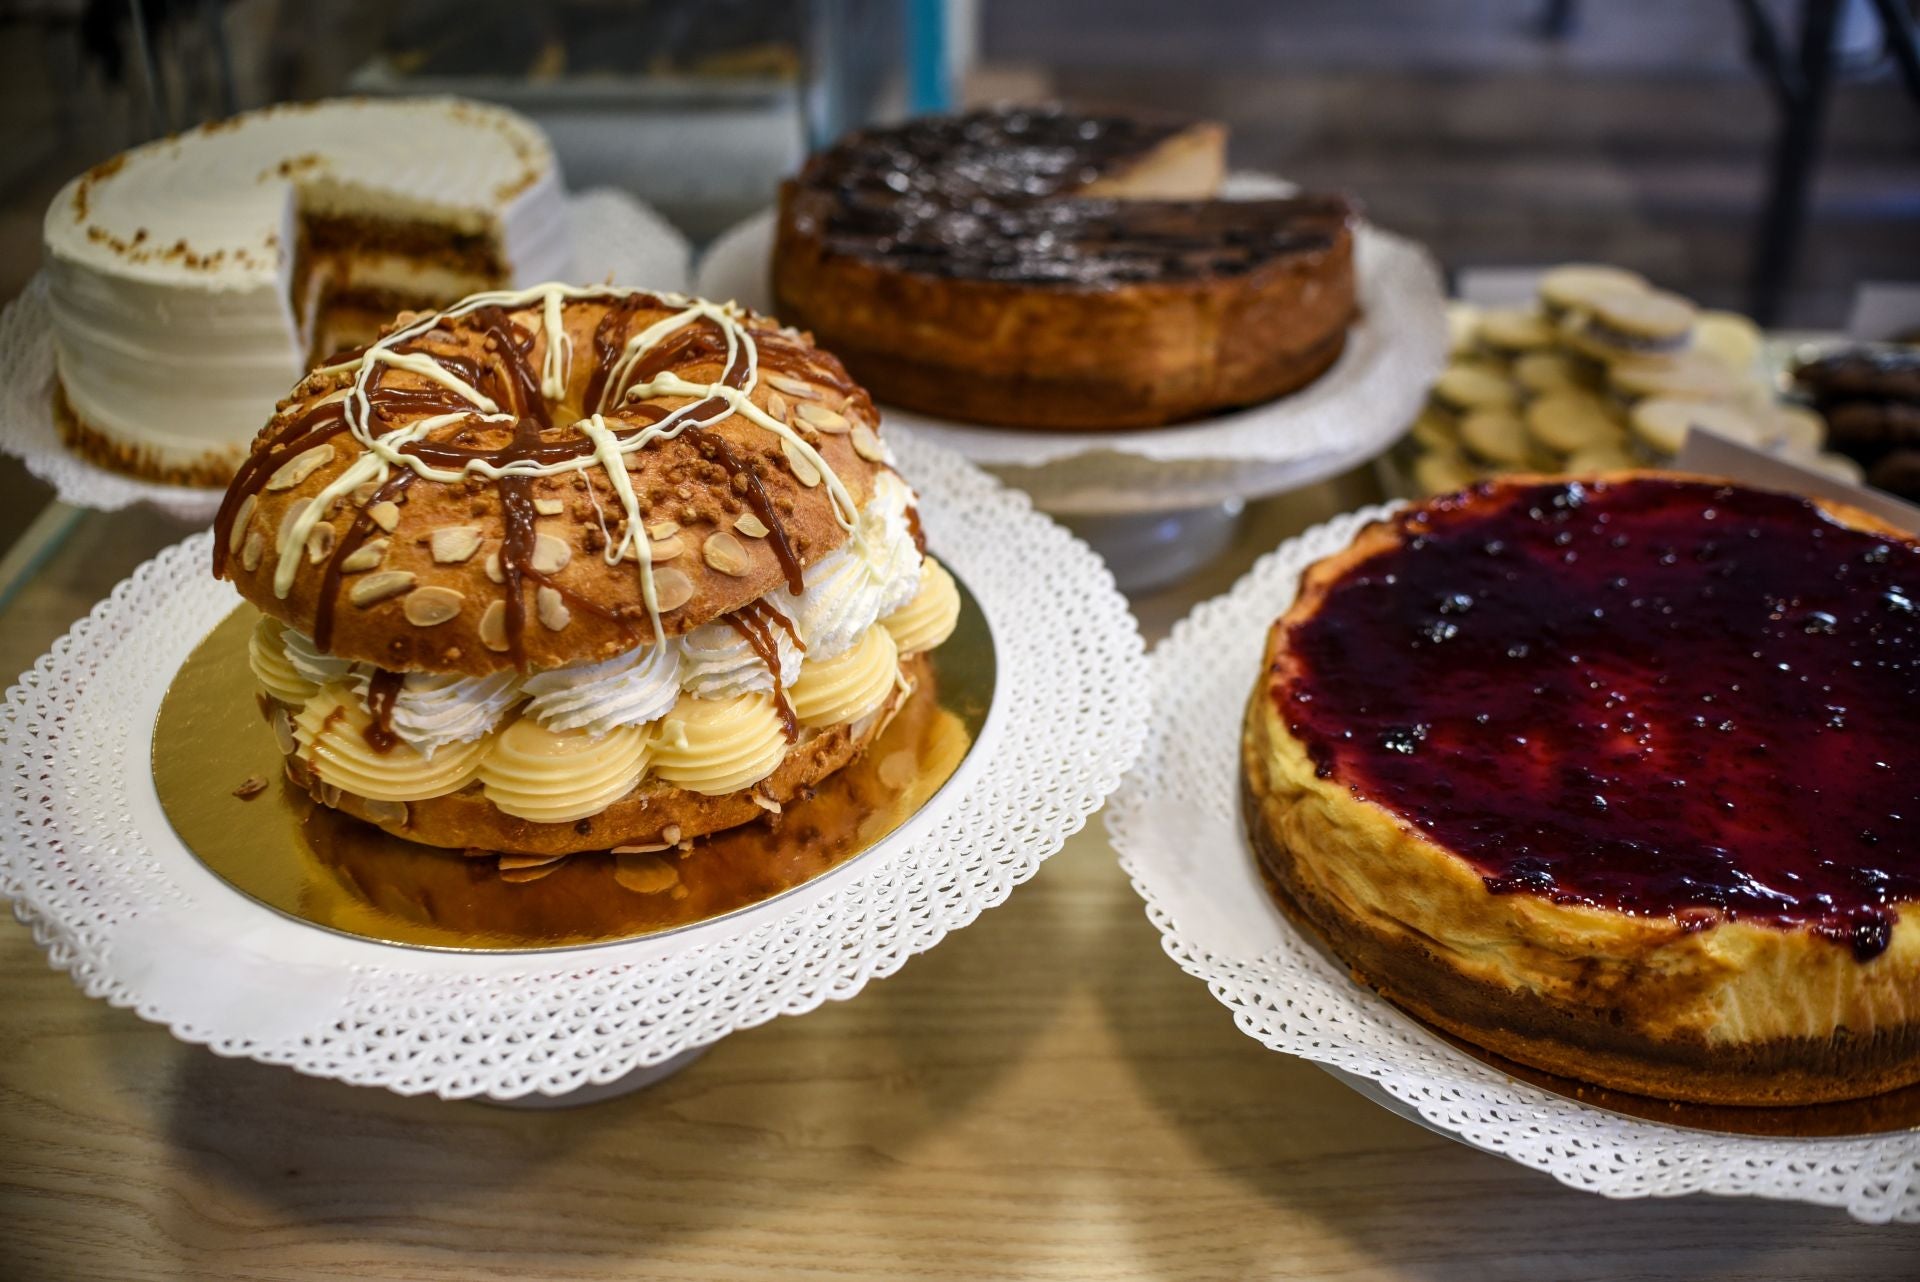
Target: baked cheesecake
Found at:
x=1615, y=778
x=1056, y=269
x=192, y=280
x=569, y=569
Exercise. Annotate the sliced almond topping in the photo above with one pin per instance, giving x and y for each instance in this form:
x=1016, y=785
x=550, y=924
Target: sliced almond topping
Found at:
x=378, y=587
x=726, y=554
x=493, y=626
x=820, y=418
x=553, y=612
x=320, y=543
x=767, y=804
x=250, y=554
x=803, y=469
x=671, y=834
x=671, y=589
x=494, y=571
x=454, y=544
x=367, y=556
x=385, y=514
x=550, y=555
x=386, y=812
x=792, y=386
x=641, y=850
x=363, y=493
x=520, y=876
x=751, y=526
x=301, y=466
x=511, y=863
x=283, y=732
x=663, y=529
x=240, y=520
x=777, y=406
x=867, y=445
x=666, y=549
x=549, y=507
x=645, y=874
x=431, y=606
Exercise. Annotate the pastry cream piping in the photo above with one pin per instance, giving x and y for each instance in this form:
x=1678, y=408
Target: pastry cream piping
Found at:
x=330, y=731
x=558, y=776
x=714, y=746
x=928, y=619
x=845, y=689
x=267, y=656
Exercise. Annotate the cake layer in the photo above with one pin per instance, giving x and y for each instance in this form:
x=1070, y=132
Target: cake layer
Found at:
x=1058, y=269
x=172, y=268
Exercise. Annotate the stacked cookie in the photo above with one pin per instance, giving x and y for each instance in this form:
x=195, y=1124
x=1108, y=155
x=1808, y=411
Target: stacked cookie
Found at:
x=1871, y=396
x=1602, y=372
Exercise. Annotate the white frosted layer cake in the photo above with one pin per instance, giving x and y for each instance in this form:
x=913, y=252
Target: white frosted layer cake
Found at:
x=194, y=279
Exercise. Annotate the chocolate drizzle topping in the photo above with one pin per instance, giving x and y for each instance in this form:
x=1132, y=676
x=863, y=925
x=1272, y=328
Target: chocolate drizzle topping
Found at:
x=755, y=621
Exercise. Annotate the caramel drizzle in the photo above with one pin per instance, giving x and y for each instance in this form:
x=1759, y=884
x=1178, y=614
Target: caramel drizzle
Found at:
x=755, y=621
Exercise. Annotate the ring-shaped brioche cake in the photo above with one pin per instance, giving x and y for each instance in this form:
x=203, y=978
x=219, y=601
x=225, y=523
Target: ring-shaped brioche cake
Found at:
x=1615, y=778
x=567, y=569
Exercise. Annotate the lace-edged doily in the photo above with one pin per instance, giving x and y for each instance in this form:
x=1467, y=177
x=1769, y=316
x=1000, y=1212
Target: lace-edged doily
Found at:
x=1348, y=415
x=93, y=867
x=614, y=236
x=1175, y=823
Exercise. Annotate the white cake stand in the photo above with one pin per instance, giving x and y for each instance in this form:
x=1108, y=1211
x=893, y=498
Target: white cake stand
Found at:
x=1176, y=826
x=1160, y=502
x=93, y=867
x=615, y=237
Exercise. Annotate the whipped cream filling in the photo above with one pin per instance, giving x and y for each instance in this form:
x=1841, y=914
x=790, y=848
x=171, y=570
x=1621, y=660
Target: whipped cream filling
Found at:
x=629, y=689
x=868, y=577
x=433, y=710
x=847, y=593
x=720, y=662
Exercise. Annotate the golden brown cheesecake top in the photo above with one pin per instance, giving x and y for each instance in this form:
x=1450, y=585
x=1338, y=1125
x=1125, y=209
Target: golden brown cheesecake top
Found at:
x=468, y=493
x=1667, y=697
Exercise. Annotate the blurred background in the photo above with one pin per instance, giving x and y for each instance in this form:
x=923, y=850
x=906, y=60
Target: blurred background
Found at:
x=1756, y=154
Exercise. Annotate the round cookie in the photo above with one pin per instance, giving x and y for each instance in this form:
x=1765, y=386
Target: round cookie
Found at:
x=1797, y=429
x=1442, y=472
x=1496, y=435
x=1574, y=286
x=1540, y=373
x=1730, y=338
x=1627, y=323
x=1474, y=385
x=1463, y=328
x=1513, y=330
x=1570, y=421
x=1689, y=375
x=1663, y=422
x=1436, y=429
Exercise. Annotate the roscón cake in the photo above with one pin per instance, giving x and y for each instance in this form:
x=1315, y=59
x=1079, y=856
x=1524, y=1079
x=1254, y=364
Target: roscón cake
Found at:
x=1049, y=268
x=571, y=569
x=1616, y=778
x=192, y=280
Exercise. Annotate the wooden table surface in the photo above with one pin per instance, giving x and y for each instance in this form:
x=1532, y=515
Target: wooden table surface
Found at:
x=1045, y=1095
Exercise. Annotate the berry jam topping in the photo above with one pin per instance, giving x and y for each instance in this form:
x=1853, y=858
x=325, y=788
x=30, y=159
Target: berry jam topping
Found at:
x=1668, y=698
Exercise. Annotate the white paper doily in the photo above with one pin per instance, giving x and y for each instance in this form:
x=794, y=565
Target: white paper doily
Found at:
x=92, y=866
x=1348, y=415
x=1176, y=825
x=614, y=236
